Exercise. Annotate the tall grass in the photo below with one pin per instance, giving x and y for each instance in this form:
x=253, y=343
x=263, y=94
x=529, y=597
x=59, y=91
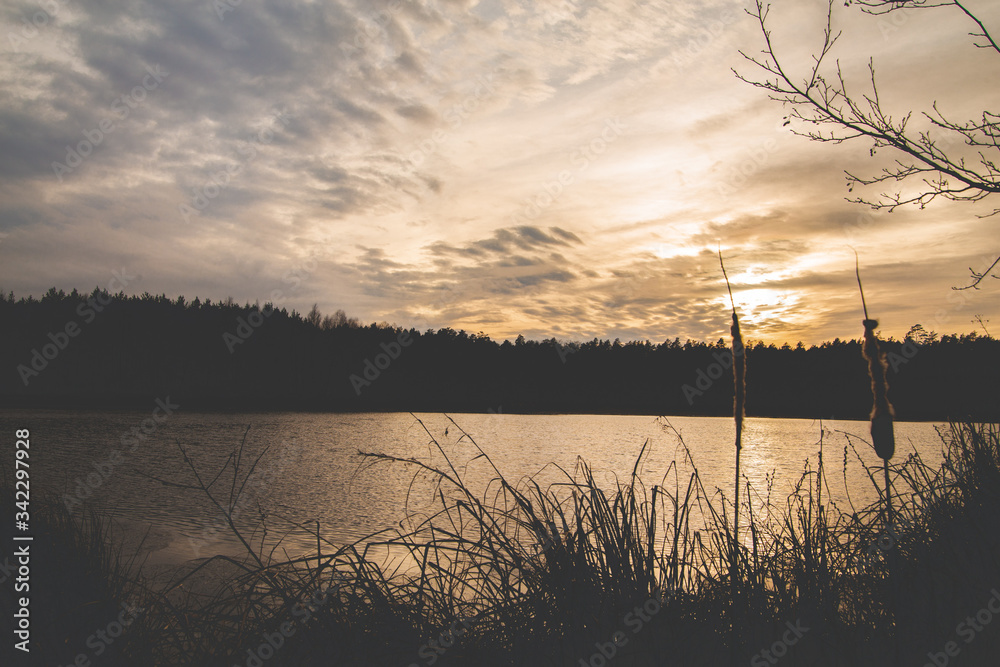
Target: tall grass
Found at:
x=533, y=575
x=79, y=580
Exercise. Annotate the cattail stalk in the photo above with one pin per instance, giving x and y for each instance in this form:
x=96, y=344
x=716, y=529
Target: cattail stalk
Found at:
x=883, y=437
x=739, y=398
x=882, y=411
x=739, y=389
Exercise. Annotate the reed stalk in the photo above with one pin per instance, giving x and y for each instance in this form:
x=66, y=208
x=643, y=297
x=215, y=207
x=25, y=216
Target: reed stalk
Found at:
x=883, y=438
x=739, y=398
x=882, y=412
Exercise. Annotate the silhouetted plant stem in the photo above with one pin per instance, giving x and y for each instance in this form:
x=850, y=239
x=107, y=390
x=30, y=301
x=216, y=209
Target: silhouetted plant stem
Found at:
x=739, y=392
x=883, y=438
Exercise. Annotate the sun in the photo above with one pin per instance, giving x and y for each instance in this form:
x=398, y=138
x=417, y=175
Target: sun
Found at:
x=762, y=303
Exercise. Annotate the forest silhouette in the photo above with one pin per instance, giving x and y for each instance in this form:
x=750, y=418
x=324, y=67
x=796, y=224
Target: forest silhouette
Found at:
x=102, y=350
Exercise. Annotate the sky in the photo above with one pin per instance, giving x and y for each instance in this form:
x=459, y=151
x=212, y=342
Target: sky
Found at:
x=558, y=168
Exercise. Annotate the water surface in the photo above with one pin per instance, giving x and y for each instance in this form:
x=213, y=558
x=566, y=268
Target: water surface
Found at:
x=309, y=468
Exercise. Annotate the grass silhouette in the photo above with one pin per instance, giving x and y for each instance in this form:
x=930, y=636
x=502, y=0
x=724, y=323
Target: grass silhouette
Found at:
x=637, y=575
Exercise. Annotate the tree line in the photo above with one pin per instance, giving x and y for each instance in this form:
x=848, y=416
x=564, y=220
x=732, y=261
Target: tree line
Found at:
x=106, y=350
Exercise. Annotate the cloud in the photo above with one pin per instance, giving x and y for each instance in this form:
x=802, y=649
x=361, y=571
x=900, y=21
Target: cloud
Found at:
x=399, y=142
x=507, y=240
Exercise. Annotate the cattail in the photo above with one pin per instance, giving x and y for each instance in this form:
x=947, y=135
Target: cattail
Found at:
x=882, y=435
x=739, y=383
x=882, y=411
x=739, y=398
x=739, y=378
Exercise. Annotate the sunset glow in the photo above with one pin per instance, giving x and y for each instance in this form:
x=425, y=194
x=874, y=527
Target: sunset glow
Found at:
x=559, y=168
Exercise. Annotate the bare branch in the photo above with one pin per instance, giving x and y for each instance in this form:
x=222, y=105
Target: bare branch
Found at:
x=978, y=277
x=836, y=115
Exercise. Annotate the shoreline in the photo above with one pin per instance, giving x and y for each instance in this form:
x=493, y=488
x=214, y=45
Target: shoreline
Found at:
x=243, y=407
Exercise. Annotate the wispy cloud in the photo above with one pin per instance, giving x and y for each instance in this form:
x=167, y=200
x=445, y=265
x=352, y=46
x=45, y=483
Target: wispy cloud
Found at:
x=561, y=167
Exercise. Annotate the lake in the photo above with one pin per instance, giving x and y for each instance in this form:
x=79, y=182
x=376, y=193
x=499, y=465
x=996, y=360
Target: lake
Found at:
x=311, y=470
